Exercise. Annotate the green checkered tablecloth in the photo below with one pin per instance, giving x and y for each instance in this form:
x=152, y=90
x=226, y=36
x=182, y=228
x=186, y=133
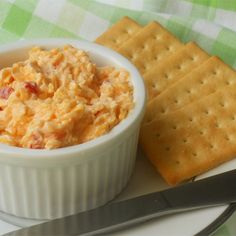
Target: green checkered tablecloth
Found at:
x=211, y=23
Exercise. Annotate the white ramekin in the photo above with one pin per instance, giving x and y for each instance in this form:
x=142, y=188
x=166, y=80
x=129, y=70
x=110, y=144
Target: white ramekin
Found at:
x=46, y=184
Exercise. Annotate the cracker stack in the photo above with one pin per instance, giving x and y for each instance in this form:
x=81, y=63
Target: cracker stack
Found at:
x=190, y=121
x=212, y=75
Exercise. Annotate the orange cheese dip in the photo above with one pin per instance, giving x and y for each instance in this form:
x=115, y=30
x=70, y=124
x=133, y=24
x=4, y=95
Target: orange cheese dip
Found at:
x=60, y=98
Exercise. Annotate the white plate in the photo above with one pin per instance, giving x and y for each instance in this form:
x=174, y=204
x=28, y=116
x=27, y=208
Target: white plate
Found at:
x=145, y=180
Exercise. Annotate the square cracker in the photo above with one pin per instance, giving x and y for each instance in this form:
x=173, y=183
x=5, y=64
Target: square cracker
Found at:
x=194, y=139
x=170, y=70
x=202, y=81
x=150, y=45
x=120, y=32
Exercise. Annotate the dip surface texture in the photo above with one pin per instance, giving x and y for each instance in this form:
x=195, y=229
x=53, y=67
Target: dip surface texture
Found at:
x=60, y=98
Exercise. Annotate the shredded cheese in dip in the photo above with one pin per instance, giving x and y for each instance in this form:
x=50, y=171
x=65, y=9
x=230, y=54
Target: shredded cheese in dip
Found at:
x=59, y=98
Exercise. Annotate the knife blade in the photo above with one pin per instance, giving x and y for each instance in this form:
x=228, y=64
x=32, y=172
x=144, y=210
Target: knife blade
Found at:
x=212, y=191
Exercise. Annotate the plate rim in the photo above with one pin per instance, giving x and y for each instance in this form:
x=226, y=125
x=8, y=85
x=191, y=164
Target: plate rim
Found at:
x=219, y=221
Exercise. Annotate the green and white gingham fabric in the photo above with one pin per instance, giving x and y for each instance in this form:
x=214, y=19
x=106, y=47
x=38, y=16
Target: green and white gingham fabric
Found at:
x=211, y=23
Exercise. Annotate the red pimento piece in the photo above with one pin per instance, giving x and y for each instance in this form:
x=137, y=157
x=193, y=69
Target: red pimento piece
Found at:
x=5, y=92
x=32, y=87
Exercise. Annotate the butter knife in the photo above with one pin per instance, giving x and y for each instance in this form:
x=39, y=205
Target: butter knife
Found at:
x=212, y=191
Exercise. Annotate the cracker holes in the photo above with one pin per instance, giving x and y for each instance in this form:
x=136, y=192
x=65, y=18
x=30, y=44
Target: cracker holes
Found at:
x=158, y=135
x=194, y=154
x=180, y=67
x=189, y=91
x=133, y=57
x=157, y=37
x=176, y=101
x=228, y=82
x=174, y=127
x=211, y=146
x=217, y=125
x=202, y=82
x=154, y=86
x=233, y=118
x=167, y=149
x=129, y=55
x=145, y=47
x=163, y=110
x=215, y=72
x=206, y=112
x=116, y=40
x=177, y=162
x=230, y=138
x=193, y=58
x=145, y=67
x=184, y=140
x=128, y=31
x=227, y=138
x=222, y=104
x=169, y=48
x=190, y=119
x=166, y=76
x=201, y=132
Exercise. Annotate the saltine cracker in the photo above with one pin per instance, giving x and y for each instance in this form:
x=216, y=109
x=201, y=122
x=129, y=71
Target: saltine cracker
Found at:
x=119, y=33
x=170, y=70
x=195, y=138
x=212, y=75
x=151, y=44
